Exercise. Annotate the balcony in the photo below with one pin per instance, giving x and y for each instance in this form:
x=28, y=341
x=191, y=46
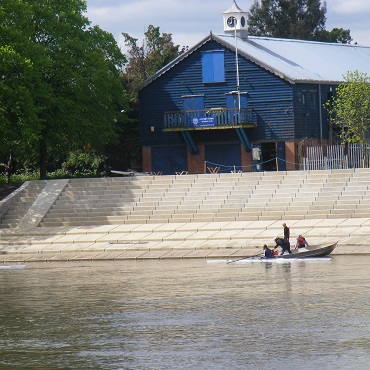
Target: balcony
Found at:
x=210, y=119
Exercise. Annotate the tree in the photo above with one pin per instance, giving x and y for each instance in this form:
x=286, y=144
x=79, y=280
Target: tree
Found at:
x=299, y=19
x=68, y=78
x=336, y=35
x=156, y=51
x=295, y=19
x=350, y=109
x=18, y=120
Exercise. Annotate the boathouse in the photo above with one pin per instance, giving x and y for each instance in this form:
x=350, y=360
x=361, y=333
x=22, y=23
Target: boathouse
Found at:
x=238, y=102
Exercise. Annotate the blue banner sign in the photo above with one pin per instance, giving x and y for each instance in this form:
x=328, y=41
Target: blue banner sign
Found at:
x=203, y=122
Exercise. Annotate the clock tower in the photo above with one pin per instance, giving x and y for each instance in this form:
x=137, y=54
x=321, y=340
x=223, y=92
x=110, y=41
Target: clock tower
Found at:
x=235, y=21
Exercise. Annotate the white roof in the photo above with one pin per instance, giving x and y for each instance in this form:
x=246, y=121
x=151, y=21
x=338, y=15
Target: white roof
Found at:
x=293, y=60
x=302, y=61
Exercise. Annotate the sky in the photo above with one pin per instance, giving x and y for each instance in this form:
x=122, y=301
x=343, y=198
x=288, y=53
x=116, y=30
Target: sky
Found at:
x=189, y=21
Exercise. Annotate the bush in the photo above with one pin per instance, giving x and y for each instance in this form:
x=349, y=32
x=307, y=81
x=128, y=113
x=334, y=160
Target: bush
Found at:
x=19, y=177
x=82, y=164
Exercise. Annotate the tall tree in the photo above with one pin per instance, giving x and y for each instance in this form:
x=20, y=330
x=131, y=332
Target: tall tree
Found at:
x=350, y=109
x=19, y=123
x=70, y=90
x=296, y=19
x=156, y=51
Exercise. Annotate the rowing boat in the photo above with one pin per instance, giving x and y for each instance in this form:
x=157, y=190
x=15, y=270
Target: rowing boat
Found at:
x=310, y=252
x=12, y=267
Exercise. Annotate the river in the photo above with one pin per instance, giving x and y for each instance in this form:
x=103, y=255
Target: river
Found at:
x=187, y=314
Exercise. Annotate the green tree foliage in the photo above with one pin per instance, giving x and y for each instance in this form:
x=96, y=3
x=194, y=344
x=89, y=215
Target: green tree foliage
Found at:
x=18, y=118
x=156, y=51
x=300, y=19
x=336, y=35
x=350, y=108
x=294, y=19
x=81, y=164
x=67, y=77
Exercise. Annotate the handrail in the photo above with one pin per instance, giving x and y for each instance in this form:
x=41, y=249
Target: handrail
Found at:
x=212, y=117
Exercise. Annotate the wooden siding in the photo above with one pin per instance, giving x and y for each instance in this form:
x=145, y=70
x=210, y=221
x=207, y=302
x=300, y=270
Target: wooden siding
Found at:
x=307, y=113
x=268, y=95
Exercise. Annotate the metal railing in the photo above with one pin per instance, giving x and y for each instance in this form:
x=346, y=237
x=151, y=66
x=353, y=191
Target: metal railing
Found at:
x=214, y=117
x=328, y=157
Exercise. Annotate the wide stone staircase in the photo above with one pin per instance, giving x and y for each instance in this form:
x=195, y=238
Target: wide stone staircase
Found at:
x=221, y=197
x=202, y=212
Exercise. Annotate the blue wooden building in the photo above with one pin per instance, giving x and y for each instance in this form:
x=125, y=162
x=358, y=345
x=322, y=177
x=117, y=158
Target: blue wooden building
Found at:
x=240, y=102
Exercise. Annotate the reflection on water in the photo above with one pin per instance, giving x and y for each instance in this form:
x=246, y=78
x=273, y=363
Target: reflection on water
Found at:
x=186, y=315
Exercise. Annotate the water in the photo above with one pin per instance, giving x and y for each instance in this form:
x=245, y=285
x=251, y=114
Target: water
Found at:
x=186, y=315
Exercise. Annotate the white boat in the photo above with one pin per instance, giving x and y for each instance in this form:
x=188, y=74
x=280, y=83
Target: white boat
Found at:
x=12, y=267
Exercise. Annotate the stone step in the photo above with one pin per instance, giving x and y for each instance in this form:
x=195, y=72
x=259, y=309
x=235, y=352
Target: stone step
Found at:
x=208, y=198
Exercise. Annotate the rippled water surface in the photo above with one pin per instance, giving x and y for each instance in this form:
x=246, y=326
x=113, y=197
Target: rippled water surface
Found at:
x=187, y=315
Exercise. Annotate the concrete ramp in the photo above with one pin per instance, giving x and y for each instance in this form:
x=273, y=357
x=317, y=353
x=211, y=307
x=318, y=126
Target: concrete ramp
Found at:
x=42, y=204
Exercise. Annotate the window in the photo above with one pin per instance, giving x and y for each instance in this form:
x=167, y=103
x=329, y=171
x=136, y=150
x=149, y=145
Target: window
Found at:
x=213, y=66
x=313, y=100
x=308, y=99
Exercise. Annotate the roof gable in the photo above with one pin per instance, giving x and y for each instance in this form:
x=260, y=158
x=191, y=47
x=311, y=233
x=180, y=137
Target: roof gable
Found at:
x=296, y=61
x=174, y=62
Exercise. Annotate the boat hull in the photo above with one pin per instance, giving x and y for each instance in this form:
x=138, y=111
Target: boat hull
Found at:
x=309, y=253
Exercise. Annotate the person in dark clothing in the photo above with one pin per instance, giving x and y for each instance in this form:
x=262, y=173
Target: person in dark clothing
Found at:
x=268, y=253
x=280, y=242
x=286, y=232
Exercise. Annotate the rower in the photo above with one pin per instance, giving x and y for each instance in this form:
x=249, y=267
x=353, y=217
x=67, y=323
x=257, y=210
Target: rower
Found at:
x=267, y=252
x=300, y=242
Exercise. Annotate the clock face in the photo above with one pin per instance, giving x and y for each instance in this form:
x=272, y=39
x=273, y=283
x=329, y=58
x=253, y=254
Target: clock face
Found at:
x=231, y=22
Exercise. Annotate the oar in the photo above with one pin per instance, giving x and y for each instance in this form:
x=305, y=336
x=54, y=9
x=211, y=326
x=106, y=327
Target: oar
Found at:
x=243, y=258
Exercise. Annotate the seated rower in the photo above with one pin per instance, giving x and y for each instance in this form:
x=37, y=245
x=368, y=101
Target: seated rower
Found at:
x=267, y=252
x=300, y=242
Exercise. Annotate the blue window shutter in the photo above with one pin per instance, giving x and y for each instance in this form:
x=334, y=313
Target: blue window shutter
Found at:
x=218, y=66
x=193, y=103
x=207, y=67
x=232, y=101
x=213, y=66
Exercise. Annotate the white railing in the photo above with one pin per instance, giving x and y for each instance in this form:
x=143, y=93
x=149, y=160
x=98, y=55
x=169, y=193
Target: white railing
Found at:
x=330, y=157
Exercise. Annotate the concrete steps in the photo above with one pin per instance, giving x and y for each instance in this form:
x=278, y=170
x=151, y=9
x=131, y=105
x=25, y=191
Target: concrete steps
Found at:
x=191, y=216
x=297, y=195
x=229, y=197
x=26, y=197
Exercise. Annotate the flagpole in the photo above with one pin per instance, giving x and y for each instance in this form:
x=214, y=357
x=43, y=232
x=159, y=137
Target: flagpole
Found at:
x=237, y=68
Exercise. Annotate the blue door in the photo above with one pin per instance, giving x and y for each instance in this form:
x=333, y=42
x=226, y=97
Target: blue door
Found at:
x=193, y=105
x=225, y=156
x=232, y=103
x=169, y=160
